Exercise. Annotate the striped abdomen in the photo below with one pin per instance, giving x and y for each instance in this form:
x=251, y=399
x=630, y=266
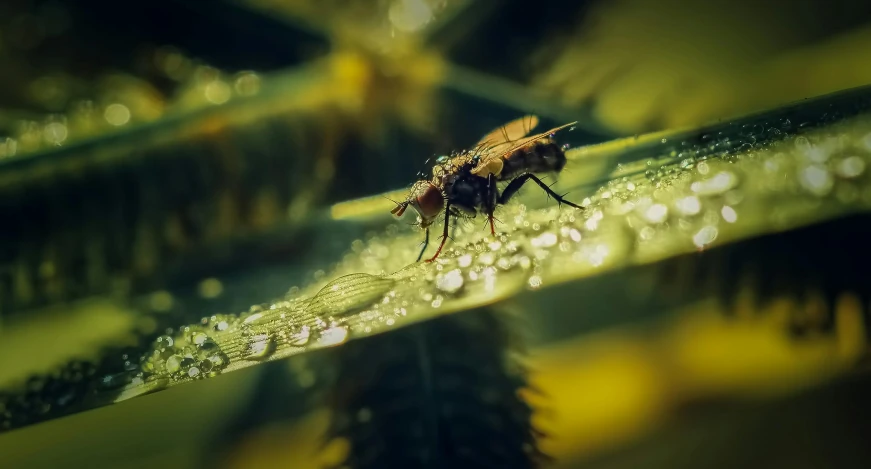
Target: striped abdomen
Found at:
x=541, y=156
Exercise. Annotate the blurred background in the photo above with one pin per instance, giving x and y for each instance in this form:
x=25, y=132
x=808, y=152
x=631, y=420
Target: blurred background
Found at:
x=169, y=160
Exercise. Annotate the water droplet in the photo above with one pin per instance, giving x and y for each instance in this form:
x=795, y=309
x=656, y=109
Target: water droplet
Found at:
x=117, y=114
x=593, y=222
x=647, y=233
x=197, y=338
x=465, y=260
x=253, y=318
x=545, y=240
x=161, y=301
x=503, y=263
x=802, y=143
x=718, y=184
x=450, y=282
x=348, y=294
x=705, y=236
x=851, y=167
x=729, y=214
x=218, y=92
x=193, y=372
x=259, y=346
x=817, y=179
x=301, y=337
x=486, y=258
x=173, y=364
x=163, y=342
x=55, y=133
x=219, y=360
x=207, y=347
x=206, y=365
x=688, y=205
x=534, y=281
x=575, y=235
x=656, y=213
x=333, y=336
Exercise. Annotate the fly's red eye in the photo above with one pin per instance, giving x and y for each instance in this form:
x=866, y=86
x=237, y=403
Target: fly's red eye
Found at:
x=429, y=201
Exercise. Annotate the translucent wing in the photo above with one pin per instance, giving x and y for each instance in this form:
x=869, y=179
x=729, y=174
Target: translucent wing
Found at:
x=498, y=150
x=512, y=131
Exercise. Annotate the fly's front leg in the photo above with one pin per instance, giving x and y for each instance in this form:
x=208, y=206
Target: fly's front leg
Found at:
x=490, y=201
x=444, y=233
x=425, y=244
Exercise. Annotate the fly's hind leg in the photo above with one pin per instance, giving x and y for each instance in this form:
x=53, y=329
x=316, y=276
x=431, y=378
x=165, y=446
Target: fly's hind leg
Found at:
x=519, y=181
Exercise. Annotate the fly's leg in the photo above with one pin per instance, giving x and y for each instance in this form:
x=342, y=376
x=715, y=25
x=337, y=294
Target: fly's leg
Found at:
x=518, y=182
x=425, y=244
x=444, y=233
x=492, y=194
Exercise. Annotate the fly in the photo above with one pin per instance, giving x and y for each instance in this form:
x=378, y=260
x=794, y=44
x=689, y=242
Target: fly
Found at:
x=466, y=182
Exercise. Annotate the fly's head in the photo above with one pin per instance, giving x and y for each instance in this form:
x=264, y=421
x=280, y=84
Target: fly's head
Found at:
x=426, y=199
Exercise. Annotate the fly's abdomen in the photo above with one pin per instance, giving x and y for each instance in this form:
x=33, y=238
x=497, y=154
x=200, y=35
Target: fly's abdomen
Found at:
x=543, y=156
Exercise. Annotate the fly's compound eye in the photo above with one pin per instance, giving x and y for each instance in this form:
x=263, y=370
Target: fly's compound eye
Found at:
x=428, y=201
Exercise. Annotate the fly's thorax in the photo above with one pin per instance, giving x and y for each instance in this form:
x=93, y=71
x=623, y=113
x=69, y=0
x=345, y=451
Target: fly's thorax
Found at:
x=542, y=156
x=467, y=191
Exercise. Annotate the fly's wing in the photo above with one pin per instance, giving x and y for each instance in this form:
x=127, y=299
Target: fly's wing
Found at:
x=495, y=143
x=499, y=150
x=512, y=131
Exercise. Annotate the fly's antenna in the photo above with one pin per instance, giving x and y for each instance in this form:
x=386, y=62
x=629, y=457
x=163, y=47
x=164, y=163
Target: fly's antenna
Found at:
x=400, y=206
x=399, y=209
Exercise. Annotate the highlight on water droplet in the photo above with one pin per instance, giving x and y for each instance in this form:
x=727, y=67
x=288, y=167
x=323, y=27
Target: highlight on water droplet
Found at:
x=259, y=346
x=300, y=337
x=729, y=214
x=656, y=213
x=851, y=167
x=335, y=335
x=450, y=282
x=544, y=240
x=688, y=205
x=717, y=184
x=817, y=179
x=705, y=236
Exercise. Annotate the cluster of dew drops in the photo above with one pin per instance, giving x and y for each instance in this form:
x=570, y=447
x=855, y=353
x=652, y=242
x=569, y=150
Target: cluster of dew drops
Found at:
x=191, y=353
x=696, y=195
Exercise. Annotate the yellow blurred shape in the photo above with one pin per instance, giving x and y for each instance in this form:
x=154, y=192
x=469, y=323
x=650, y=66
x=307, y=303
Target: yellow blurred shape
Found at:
x=610, y=387
x=850, y=328
x=755, y=356
x=597, y=393
x=299, y=446
x=49, y=338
